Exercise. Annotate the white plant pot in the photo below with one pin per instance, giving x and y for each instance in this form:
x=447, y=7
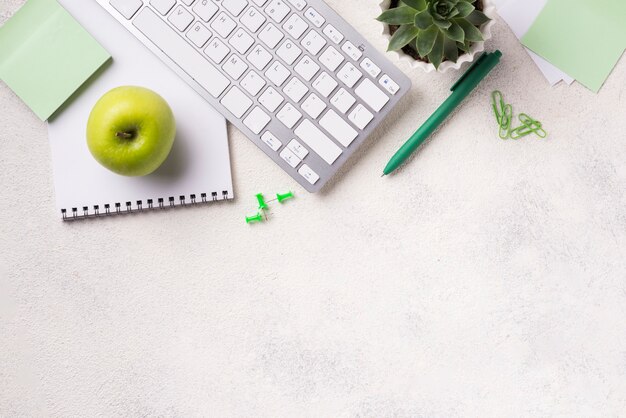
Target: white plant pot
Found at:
x=488, y=9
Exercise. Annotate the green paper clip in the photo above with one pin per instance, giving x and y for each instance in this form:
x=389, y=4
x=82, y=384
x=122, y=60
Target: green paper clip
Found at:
x=505, y=122
x=282, y=197
x=503, y=113
x=498, y=105
x=256, y=218
x=261, y=200
x=529, y=126
x=534, y=124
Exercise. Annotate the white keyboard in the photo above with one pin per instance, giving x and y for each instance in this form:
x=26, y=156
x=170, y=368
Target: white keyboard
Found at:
x=291, y=74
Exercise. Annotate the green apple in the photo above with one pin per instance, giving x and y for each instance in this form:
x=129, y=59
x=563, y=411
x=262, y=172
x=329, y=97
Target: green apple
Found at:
x=131, y=131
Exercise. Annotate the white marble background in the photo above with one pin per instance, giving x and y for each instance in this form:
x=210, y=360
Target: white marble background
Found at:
x=487, y=278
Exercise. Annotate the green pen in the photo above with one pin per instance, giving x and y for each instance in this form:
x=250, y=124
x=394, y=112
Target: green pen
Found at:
x=460, y=90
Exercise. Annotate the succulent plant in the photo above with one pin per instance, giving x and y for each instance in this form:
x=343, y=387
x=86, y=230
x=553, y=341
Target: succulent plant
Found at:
x=436, y=29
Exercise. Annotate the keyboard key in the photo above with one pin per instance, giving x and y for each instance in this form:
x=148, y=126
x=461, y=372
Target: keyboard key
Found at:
x=235, y=67
x=333, y=34
x=199, y=34
x=352, y=51
x=325, y=84
x=271, y=99
x=257, y=120
x=155, y=29
x=298, y=149
x=181, y=18
x=253, y=83
x=310, y=175
x=223, y=25
x=371, y=95
x=331, y=58
x=314, y=17
x=289, y=115
x=295, y=89
x=360, y=116
x=241, y=41
x=277, y=73
x=298, y=4
x=291, y=158
x=205, y=9
x=163, y=6
x=349, y=74
x=313, y=42
x=313, y=106
x=235, y=6
x=317, y=140
x=188, y=2
x=271, y=141
x=126, y=8
x=370, y=68
x=389, y=85
x=307, y=68
x=236, y=102
x=342, y=100
x=277, y=10
x=259, y=57
x=338, y=128
x=253, y=19
x=271, y=35
x=259, y=2
x=295, y=26
x=217, y=50
x=289, y=52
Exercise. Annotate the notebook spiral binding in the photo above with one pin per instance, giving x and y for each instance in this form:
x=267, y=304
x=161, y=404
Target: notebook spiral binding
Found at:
x=118, y=208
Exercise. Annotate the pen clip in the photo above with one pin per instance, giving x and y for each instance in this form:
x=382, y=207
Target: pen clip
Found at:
x=487, y=60
x=469, y=70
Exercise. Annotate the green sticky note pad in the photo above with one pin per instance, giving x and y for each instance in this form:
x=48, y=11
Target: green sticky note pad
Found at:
x=583, y=38
x=45, y=55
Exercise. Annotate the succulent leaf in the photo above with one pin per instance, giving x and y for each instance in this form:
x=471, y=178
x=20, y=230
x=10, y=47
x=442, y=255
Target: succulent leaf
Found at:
x=464, y=9
x=450, y=50
x=402, y=37
x=426, y=40
x=416, y=4
x=477, y=18
x=453, y=13
x=455, y=32
x=423, y=20
x=443, y=24
x=398, y=16
x=436, y=54
x=472, y=33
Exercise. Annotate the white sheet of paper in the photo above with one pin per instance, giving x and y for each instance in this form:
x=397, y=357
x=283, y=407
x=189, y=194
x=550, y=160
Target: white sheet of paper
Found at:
x=199, y=161
x=520, y=15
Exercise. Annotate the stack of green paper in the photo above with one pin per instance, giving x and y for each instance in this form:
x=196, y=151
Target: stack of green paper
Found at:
x=45, y=55
x=583, y=38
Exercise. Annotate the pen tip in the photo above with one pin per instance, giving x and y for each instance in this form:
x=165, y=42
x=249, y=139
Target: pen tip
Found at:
x=383, y=175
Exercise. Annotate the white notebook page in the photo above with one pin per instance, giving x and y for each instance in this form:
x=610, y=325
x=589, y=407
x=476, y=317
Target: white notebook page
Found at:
x=199, y=161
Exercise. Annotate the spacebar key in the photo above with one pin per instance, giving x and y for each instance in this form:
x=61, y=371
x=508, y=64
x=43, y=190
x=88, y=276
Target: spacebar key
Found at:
x=181, y=52
x=318, y=141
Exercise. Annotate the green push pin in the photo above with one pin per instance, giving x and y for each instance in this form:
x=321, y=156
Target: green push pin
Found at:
x=256, y=218
x=261, y=200
x=282, y=197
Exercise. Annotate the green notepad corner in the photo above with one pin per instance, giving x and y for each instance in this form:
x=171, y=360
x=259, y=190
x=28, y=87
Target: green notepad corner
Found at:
x=583, y=38
x=45, y=55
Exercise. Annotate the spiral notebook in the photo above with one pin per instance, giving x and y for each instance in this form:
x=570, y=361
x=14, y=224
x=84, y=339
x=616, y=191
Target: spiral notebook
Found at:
x=198, y=168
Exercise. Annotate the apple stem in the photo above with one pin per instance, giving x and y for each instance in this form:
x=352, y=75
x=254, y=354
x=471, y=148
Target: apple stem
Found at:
x=125, y=135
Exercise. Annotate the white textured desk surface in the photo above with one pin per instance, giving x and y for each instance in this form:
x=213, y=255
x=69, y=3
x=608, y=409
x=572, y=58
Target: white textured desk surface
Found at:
x=487, y=278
